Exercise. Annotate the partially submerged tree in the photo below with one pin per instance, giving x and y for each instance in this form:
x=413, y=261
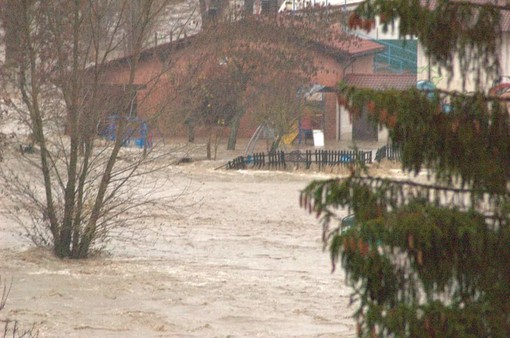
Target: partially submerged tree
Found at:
x=62, y=47
x=212, y=102
x=430, y=258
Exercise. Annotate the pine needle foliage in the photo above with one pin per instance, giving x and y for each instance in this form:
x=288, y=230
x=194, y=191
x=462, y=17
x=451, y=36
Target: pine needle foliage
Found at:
x=429, y=258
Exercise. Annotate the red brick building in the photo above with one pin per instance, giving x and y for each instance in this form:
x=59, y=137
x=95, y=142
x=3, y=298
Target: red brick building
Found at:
x=361, y=129
x=337, y=61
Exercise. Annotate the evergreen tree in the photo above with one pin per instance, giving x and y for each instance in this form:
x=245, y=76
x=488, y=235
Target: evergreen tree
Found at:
x=430, y=258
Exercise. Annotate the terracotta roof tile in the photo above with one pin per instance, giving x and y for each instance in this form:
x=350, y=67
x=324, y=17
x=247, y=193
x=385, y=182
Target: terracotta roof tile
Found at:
x=359, y=46
x=381, y=81
x=349, y=44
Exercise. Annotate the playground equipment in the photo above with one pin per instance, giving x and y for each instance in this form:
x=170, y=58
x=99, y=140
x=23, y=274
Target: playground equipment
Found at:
x=302, y=128
x=427, y=87
x=430, y=88
x=500, y=89
x=136, y=132
x=297, y=132
x=289, y=138
x=263, y=131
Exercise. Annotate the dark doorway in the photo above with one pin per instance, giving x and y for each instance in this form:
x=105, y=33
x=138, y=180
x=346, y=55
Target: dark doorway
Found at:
x=363, y=129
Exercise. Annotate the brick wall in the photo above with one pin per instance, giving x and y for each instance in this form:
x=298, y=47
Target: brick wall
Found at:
x=161, y=97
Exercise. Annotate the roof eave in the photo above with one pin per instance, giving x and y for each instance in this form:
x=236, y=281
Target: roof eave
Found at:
x=367, y=52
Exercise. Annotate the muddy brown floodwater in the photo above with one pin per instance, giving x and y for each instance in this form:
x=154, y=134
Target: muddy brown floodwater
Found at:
x=245, y=261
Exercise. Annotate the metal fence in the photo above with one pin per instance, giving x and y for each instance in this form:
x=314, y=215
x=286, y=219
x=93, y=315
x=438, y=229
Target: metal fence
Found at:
x=391, y=152
x=320, y=158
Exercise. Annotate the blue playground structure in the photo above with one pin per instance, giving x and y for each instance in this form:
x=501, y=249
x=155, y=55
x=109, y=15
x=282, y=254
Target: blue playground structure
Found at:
x=137, y=131
x=430, y=89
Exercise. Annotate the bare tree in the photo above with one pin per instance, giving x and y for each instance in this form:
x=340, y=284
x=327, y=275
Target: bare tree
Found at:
x=212, y=102
x=257, y=50
x=243, y=57
x=63, y=47
x=279, y=103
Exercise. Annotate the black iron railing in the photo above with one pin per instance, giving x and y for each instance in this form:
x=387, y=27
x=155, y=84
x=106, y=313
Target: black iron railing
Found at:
x=305, y=159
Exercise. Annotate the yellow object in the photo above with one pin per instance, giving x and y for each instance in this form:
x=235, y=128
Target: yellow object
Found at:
x=291, y=135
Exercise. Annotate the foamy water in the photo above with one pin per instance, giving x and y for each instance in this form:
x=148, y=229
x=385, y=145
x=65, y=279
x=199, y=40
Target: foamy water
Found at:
x=242, y=259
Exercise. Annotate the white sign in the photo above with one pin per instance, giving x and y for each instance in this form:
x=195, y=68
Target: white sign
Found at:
x=318, y=138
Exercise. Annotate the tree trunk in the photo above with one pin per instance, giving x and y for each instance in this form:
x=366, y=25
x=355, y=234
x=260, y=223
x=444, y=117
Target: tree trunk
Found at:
x=191, y=133
x=248, y=7
x=30, y=94
x=66, y=230
x=204, y=14
x=234, y=128
x=208, y=146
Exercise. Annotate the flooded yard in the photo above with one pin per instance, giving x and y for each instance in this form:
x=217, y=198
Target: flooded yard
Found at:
x=243, y=261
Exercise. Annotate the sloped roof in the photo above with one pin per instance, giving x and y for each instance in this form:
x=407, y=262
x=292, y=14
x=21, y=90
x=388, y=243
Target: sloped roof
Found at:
x=342, y=48
x=161, y=51
x=381, y=81
x=359, y=47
